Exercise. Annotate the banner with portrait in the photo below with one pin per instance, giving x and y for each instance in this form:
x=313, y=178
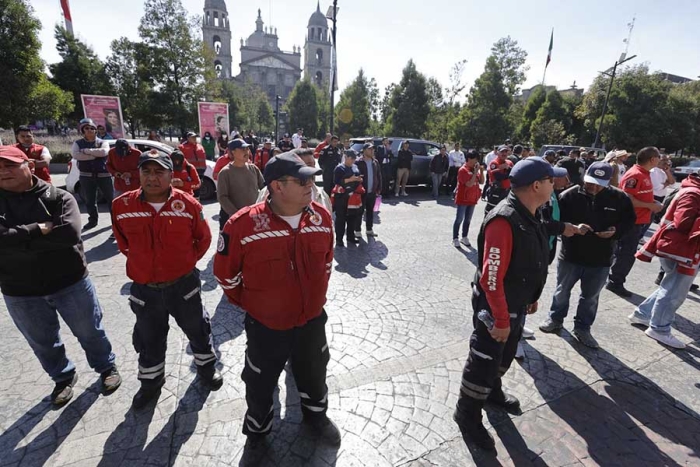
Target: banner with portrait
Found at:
x=213, y=118
x=106, y=111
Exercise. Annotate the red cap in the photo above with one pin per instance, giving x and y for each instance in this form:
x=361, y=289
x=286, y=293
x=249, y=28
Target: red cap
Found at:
x=12, y=154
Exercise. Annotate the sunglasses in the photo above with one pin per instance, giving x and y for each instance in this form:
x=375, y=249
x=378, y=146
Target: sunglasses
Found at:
x=550, y=179
x=303, y=181
x=90, y=128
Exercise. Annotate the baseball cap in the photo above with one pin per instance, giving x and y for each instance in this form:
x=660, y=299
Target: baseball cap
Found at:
x=190, y=134
x=267, y=141
x=86, y=122
x=12, y=154
x=351, y=153
x=288, y=164
x=502, y=147
x=122, y=147
x=550, y=153
x=157, y=157
x=472, y=154
x=528, y=171
x=237, y=144
x=367, y=146
x=599, y=173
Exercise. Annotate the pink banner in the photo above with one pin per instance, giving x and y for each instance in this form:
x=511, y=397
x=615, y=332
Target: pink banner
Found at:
x=106, y=111
x=213, y=118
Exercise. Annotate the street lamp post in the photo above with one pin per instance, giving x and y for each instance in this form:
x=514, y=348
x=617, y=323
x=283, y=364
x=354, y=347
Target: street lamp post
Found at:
x=277, y=118
x=334, y=62
x=622, y=60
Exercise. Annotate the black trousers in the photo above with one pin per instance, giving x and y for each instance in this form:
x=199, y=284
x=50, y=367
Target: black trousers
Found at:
x=200, y=172
x=452, y=178
x=152, y=307
x=345, y=219
x=488, y=360
x=386, y=179
x=367, y=209
x=266, y=354
x=223, y=218
x=328, y=182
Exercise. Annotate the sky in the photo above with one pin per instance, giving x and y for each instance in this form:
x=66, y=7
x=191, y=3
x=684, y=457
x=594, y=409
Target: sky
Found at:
x=380, y=36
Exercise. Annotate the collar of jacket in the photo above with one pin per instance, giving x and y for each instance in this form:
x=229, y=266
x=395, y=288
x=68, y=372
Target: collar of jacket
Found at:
x=522, y=210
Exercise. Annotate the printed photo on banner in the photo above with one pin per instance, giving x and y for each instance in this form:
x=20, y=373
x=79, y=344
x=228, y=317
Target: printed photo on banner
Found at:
x=107, y=111
x=213, y=118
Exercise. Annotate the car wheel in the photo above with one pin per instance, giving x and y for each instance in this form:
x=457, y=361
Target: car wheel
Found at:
x=207, y=190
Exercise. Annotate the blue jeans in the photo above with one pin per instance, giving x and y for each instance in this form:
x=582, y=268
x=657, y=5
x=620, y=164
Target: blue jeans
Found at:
x=592, y=282
x=437, y=183
x=661, y=306
x=36, y=319
x=89, y=186
x=626, y=247
x=464, y=215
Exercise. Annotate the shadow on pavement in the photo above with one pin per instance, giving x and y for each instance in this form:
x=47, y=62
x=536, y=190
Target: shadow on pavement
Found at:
x=623, y=420
x=46, y=443
x=105, y=250
x=354, y=259
x=92, y=233
x=227, y=323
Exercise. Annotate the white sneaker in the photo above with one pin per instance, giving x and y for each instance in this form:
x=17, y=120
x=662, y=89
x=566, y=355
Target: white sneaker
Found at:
x=634, y=319
x=465, y=242
x=520, y=352
x=528, y=333
x=370, y=233
x=455, y=243
x=358, y=233
x=666, y=339
x=404, y=194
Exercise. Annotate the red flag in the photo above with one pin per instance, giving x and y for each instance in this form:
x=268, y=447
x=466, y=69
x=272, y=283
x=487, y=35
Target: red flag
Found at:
x=66, y=16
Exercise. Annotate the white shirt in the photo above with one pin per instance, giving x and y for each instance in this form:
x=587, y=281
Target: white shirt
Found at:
x=490, y=157
x=658, y=180
x=622, y=168
x=293, y=221
x=157, y=206
x=456, y=158
x=296, y=140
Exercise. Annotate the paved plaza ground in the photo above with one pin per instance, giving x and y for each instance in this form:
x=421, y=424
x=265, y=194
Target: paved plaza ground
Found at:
x=398, y=328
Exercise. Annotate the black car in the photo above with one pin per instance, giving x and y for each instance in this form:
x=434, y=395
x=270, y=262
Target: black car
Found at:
x=423, y=152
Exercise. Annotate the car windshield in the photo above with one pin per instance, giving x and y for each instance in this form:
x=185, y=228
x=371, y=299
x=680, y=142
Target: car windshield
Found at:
x=694, y=164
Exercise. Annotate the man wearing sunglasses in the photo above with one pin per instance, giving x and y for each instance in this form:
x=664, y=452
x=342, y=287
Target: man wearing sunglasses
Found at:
x=513, y=258
x=274, y=261
x=91, y=154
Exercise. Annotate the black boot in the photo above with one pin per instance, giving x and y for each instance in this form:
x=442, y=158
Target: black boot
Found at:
x=468, y=418
x=149, y=391
x=210, y=377
x=510, y=403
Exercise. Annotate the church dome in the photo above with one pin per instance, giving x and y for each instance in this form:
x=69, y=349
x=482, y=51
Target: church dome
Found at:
x=215, y=5
x=318, y=18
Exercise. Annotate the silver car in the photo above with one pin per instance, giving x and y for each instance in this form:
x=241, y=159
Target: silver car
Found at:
x=207, y=190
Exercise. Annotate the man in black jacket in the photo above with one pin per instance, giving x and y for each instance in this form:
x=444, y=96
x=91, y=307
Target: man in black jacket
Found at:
x=438, y=170
x=328, y=160
x=385, y=157
x=372, y=182
x=606, y=213
x=43, y=271
x=574, y=165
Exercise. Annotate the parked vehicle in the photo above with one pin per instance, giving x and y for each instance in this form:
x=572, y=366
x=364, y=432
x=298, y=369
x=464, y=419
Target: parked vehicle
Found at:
x=682, y=171
x=600, y=153
x=207, y=191
x=423, y=152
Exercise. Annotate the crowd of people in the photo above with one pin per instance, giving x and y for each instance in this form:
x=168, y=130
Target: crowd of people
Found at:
x=275, y=222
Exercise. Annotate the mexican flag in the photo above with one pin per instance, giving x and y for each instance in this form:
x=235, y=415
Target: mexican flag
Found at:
x=549, y=54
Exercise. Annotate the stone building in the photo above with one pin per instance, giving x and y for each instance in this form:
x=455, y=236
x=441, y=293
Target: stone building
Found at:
x=317, y=50
x=216, y=33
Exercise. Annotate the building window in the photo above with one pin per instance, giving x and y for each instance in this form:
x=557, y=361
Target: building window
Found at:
x=289, y=80
x=216, y=19
x=219, y=67
x=223, y=21
x=217, y=44
x=319, y=57
x=318, y=78
x=271, y=78
x=207, y=19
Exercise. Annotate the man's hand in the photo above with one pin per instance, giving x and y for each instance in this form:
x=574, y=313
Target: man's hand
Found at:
x=583, y=229
x=656, y=207
x=500, y=334
x=126, y=175
x=532, y=308
x=177, y=183
x=46, y=227
x=607, y=234
x=569, y=230
x=503, y=166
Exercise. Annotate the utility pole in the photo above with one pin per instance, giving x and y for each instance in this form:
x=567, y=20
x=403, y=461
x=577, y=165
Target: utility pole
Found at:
x=334, y=61
x=277, y=118
x=622, y=60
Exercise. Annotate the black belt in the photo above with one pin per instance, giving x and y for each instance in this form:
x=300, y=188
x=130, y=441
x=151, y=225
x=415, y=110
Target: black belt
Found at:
x=163, y=285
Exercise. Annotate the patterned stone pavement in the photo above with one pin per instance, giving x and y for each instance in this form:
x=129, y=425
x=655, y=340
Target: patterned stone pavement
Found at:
x=398, y=327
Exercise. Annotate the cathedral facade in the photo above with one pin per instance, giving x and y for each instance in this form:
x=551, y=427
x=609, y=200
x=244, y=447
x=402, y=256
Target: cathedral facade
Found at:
x=262, y=61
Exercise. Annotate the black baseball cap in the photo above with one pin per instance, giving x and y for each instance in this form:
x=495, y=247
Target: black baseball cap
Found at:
x=472, y=154
x=599, y=173
x=157, y=157
x=288, y=164
x=367, y=146
x=237, y=143
x=121, y=147
x=351, y=153
x=528, y=171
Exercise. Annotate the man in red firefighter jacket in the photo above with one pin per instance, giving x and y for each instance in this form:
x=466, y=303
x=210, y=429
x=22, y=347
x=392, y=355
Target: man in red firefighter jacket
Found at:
x=35, y=152
x=274, y=261
x=162, y=232
x=263, y=155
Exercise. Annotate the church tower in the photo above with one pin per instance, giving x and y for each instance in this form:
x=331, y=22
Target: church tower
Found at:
x=216, y=33
x=317, y=50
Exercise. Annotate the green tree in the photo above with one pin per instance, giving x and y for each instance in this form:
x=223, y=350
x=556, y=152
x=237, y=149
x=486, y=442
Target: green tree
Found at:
x=549, y=132
x=265, y=118
x=354, y=107
x=511, y=61
x=324, y=111
x=534, y=102
x=80, y=71
x=302, y=106
x=178, y=60
x=483, y=121
x=409, y=104
x=128, y=72
x=20, y=65
x=551, y=111
x=49, y=102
